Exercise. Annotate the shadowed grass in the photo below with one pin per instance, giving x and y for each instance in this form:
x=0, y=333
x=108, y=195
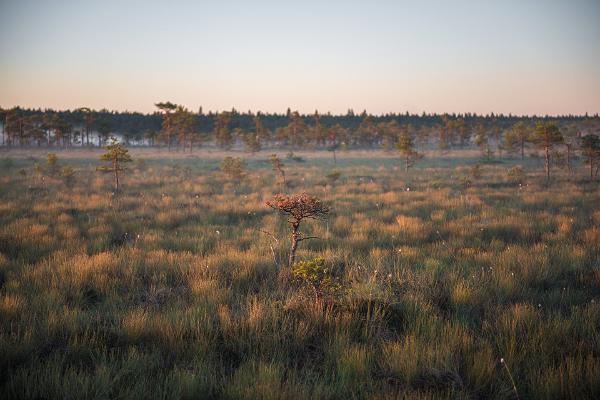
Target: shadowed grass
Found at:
x=169, y=289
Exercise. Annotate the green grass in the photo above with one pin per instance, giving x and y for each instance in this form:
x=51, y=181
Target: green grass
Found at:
x=168, y=289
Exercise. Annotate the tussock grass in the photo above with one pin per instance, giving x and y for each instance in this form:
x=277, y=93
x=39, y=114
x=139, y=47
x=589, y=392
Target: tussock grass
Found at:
x=171, y=290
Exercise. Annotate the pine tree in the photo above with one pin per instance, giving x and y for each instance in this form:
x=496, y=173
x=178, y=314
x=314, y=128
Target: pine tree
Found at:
x=546, y=136
x=590, y=148
x=116, y=154
x=406, y=147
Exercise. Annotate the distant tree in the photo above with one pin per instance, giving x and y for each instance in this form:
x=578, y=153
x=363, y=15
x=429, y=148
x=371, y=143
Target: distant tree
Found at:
x=445, y=134
x=406, y=148
x=482, y=141
x=184, y=126
x=151, y=136
x=14, y=127
x=519, y=135
x=546, y=137
x=296, y=129
x=367, y=132
x=234, y=168
x=423, y=135
x=495, y=133
x=318, y=132
x=278, y=165
x=251, y=141
x=571, y=136
x=34, y=129
x=3, y=114
x=88, y=121
x=221, y=130
x=390, y=131
x=590, y=149
x=47, y=125
x=52, y=164
x=338, y=136
x=262, y=134
x=60, y=128
x=116, y=154
x=297, y=208
x=167, y=109
x=463, y=131
x=104, y=129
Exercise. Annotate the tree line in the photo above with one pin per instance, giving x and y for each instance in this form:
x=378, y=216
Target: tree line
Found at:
x=177, y=128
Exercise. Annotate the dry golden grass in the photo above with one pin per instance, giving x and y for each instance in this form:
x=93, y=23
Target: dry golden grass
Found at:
x=169, y=289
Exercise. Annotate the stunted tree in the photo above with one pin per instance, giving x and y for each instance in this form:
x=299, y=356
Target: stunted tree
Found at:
x=61, y=129
x=590, y=149
x=116, y=154
x=13, y=127
x=295, y=131
x=259, y=127
x=167, y=109
x=338, y=135
x=318, y=132
x=3, y=114
x=278, y=165
x=482, y=141
x=184, y=125
x=104, y=130
x=406, y=148
x=297, y=208
x=367, y=132
x=445, y=134
x=546, y=136
x=251, y=141
x=221, y=130
x=34, y=130
x=571, y=137
x=519, y=135
x=234, y=168
x=88, y=121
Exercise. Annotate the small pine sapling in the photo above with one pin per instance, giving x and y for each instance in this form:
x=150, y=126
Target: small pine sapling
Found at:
x=116, y=154
x=298, y=208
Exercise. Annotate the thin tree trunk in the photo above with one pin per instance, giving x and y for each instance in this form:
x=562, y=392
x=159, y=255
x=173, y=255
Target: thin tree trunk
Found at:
x=522, y=149
x=294, y=247
x=116, y=167
x=547, y=163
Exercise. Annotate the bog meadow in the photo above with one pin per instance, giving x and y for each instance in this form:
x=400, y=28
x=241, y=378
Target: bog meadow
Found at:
x=298, y=200
x=445, y=270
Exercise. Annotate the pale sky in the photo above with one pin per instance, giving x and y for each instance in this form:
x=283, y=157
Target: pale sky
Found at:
x=511, y=56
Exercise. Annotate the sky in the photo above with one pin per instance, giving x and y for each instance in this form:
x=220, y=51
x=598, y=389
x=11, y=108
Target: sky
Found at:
x=512, y=56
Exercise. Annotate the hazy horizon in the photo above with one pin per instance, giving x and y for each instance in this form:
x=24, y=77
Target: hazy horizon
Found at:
x=520, y=58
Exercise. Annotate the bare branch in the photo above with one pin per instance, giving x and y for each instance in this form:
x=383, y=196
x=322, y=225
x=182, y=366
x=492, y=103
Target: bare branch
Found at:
x=307, y=237
x=268, y=234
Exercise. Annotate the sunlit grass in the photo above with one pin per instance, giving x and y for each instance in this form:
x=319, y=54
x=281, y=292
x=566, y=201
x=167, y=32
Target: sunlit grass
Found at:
x=170, y=289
